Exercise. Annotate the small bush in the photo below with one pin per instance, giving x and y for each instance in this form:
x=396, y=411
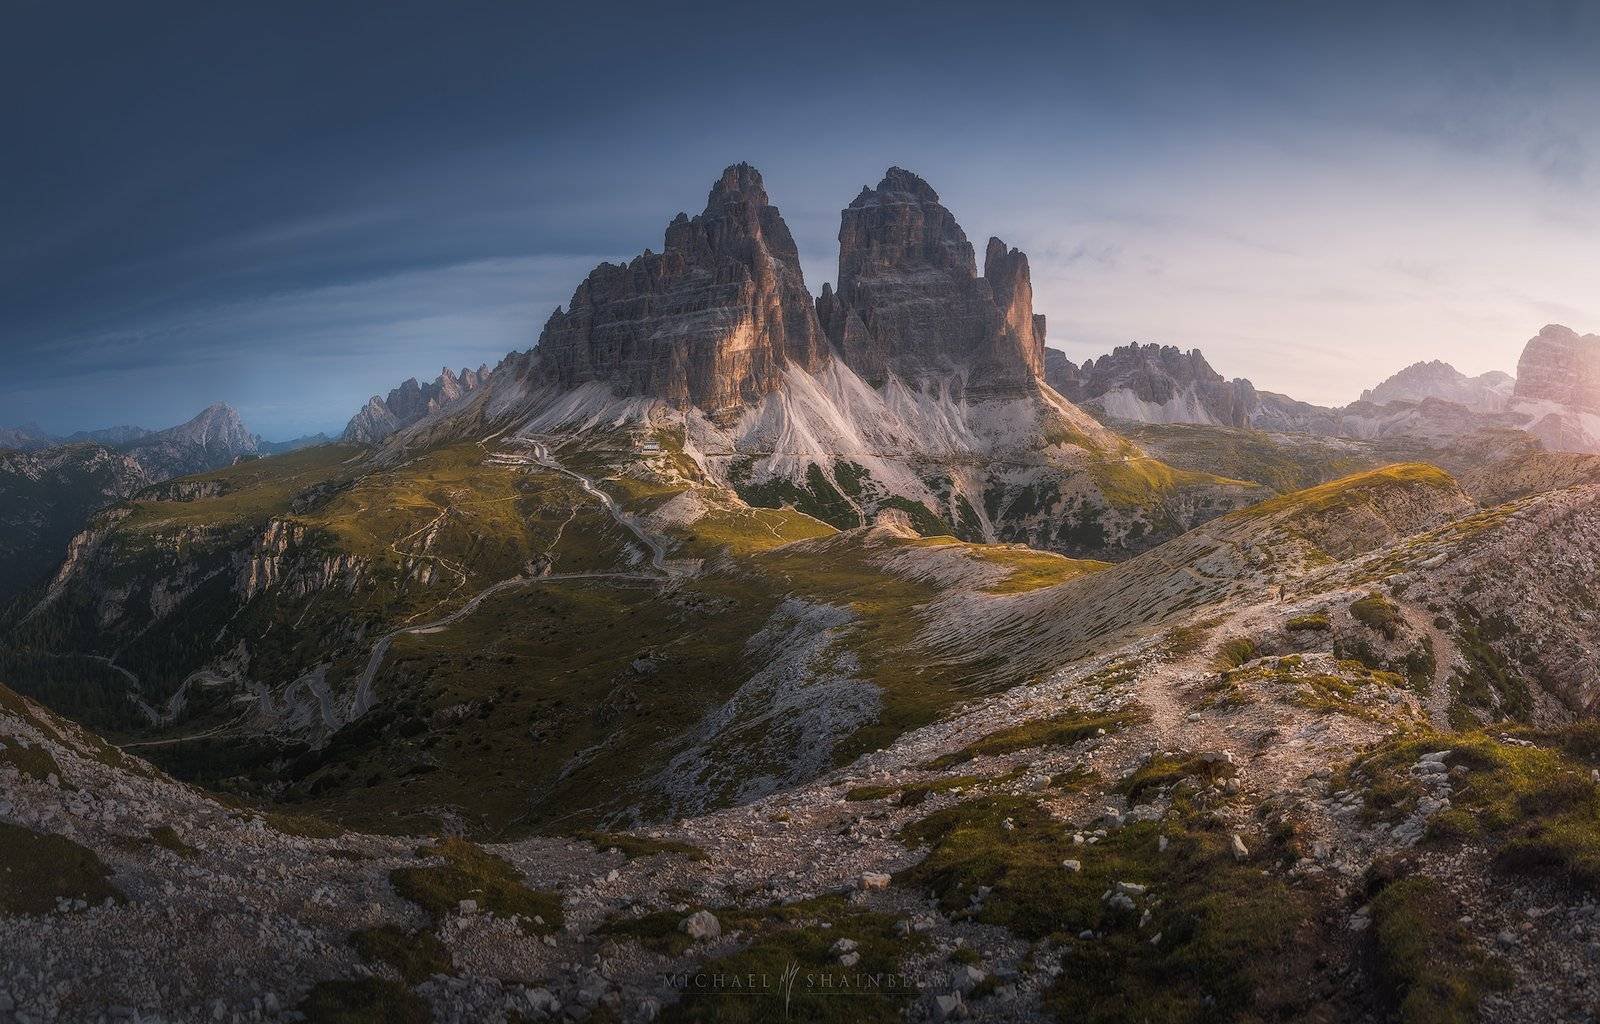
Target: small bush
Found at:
x=1234, y=652
x=1378, y=613
x=1431, y=969
x=166, y=837
x=37, y=868
x=364, y=1001
x=1061, y=730
x=633, y=847
x=34, y=762
x=470, y=873
x=1309, y=623
x=417, y=956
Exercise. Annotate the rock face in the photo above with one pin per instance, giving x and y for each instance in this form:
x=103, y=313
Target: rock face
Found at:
x=910, y=302
x=31, y=436
x=409, y=403
x=710, y=322
x=1156, y=384
x=1487, y=392
x=1558, y=389
x=216, y=437
x=1561, y=366
x=24, y=437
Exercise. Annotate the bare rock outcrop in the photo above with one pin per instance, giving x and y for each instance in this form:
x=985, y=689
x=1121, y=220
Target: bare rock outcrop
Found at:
x=409, y=403
x=910, y=301
x=1559, y=365
x=710, y=322
x=1487, y=392
x=1156, y=384
x=1557, y=396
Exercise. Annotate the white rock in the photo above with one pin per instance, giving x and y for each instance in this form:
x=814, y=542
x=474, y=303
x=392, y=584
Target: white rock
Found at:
x=1240, y=851
x=702, y=924
x=967, y=978
x=949, y=1007
x=1072, y=866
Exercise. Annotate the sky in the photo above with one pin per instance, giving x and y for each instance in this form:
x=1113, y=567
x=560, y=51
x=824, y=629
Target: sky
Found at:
x=292, y=206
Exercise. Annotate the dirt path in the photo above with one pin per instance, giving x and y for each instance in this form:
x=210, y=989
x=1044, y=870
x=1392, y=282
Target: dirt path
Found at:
x=1444, y=658
x=540, y=455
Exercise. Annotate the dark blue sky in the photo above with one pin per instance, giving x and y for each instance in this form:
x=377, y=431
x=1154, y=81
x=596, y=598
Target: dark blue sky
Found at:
x=291, y=206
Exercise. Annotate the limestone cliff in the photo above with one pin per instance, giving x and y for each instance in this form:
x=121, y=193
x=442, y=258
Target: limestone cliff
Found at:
x=710, y=322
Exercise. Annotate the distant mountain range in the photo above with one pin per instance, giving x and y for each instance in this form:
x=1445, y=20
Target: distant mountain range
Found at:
x=50, y=488
x=1555, y=397
x=409, y=403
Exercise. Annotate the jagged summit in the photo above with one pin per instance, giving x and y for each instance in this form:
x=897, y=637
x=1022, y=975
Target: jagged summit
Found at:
x=410, y=402
x=1435, y=378
x=217, y=425
x=910, y=303
x=1156, y=384
x=711, y=322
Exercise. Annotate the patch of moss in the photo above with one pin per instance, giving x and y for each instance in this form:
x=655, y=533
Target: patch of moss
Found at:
x=633, y=847
x=166, y=837
x=1233, y=652
x=1224, y=934
x=1536, y=805
x=658, y=931
x=306, y=826
x=417, y=956
x=914, y=793
x=35, y=762
x=797, y=941
x=364, y=1001
x=1490, y=682
x=1431, y=969
x=1164, y=770
x=1309, y=623
x=1186, y=640
x=1377, y=612
x=471, y=873
x=1074, y=780
x=37, y=868
x=1059, y=730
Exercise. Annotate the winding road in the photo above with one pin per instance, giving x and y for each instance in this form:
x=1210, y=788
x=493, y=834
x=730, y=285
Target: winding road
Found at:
x=364, y=697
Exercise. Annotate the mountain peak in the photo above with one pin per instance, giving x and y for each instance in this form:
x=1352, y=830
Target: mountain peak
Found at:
x=740, y=179
x=408, y=403
x=711, y=321
x=218, y=426
x=899, y=181
x=910, y=302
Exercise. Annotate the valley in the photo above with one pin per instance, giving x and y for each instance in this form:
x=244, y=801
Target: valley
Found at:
x=733, y=633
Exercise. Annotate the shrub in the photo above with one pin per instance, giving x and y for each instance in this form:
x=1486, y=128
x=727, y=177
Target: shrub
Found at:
x=1377, y=612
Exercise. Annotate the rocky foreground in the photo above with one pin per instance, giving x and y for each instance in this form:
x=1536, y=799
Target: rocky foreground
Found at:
x=1282, y=806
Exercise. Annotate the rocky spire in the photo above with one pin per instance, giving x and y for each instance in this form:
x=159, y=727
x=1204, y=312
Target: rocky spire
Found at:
x=711, y=321
x=910, y=301
x=1006, y=270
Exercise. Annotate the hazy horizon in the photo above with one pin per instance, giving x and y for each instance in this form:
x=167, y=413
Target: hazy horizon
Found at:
x=291, y=210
